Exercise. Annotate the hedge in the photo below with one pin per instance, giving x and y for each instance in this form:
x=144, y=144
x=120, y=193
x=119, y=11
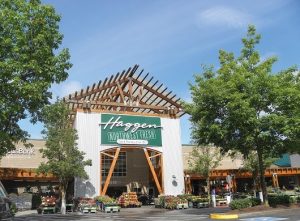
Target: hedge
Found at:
x=244, y=203
x=281, y=200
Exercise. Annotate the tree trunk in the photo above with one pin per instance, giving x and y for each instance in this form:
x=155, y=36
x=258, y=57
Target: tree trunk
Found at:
x=208, y=190
x=262, y=176
x=63, y=190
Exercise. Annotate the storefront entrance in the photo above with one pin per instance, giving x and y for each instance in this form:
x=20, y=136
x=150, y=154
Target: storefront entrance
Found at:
x=131, y=169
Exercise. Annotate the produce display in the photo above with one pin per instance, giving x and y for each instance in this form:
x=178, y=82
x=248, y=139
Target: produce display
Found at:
x=48, y=204
x=129, y=200
x=87, y=205
x=107, y=204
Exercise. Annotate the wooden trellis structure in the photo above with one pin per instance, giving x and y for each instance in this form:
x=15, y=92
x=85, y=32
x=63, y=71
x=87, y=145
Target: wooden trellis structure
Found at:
x=126, y=92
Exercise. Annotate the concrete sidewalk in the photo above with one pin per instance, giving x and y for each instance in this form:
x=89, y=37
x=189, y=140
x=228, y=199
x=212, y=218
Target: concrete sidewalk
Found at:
x=25, y=213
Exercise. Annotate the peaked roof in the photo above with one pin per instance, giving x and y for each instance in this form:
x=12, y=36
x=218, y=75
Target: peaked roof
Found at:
x=128, y=91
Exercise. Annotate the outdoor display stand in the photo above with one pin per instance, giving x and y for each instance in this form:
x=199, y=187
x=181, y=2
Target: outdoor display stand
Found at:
x=107, y=204
x=129, y=200
x=87, y=205
x=48, y=205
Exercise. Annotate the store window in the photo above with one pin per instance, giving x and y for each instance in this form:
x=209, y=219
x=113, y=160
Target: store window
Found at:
x=120, y=168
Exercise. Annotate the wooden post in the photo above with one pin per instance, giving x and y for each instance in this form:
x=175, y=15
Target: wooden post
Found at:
x=162, y=173
x=100, y=190
x=234, y=187
x=111, y=170
x=153, y=171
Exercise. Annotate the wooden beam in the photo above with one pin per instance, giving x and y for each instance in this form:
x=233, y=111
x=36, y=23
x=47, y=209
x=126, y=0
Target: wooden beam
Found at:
x=162, y=172
x=120, y=105
x=155, y=155
x=25, y=174
x=111, y=170
x=100, y=176
x=157, y=93
x=125, y=112
x=109, y=155
x=153, y=171
x=130, y=91
x=121, y=93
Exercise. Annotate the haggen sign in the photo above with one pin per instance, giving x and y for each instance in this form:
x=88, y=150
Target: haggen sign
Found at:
x=125, y=129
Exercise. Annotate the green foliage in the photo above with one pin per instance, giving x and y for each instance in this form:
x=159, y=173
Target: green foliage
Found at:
x=281, y=199
x=203, y=159
x=29, y=63
x=244, y=107
x=244, y=203
x=251, y=164
x=106, y=200
x=13, y=209
x=65, y=160
x=171, y=202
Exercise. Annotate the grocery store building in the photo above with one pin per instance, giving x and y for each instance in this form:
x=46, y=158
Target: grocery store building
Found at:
x=129, y=126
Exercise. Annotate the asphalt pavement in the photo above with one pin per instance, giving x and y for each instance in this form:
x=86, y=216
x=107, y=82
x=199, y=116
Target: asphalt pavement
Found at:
x=149, y=213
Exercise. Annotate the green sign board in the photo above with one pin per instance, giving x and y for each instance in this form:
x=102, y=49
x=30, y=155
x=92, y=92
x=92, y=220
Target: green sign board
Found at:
x=131, y=130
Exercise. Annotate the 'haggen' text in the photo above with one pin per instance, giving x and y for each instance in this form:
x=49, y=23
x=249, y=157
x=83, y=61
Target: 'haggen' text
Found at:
x=128, y=126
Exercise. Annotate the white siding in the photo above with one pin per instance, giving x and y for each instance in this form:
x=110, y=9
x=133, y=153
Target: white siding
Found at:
x=89, y=135
x=172, y=157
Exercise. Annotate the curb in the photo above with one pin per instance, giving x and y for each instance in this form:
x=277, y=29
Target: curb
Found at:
x=223, y=216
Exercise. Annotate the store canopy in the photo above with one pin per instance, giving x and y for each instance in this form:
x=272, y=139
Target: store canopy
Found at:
x=284, y=161
x=128, y=91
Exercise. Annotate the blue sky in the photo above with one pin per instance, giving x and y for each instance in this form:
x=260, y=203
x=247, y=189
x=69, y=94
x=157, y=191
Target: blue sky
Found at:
x=168, y=38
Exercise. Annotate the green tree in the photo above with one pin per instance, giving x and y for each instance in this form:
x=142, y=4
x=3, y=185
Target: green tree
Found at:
x=243, y=106
x=29, y=63
x=251, y=164
x=65, y=161
x=204, y=159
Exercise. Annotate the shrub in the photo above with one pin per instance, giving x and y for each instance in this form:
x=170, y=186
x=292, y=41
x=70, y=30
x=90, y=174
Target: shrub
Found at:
x=105, y=199
x=13, y=209
x=244, y=203
x=187, y=197
x=281, y=200
x=171, y=202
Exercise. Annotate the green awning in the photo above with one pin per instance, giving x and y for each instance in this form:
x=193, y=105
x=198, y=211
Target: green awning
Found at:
x=284, y=161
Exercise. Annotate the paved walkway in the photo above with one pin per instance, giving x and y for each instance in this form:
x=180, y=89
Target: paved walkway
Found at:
x=147, y=213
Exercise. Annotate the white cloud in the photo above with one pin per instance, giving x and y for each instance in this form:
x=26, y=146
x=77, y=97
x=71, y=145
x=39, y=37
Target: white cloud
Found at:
x=224, y=16
x=70, y=87
x=65, y=89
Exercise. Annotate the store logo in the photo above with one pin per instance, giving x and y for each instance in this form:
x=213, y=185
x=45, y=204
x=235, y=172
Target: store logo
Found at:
x=132, y=127
x=21, y=151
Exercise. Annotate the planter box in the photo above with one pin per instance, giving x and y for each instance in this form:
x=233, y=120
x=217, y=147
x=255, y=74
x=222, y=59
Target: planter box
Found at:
x=70, y=207
x=202, y=205
x=221, y=203
x=88, y=209
x=182, y=206
x=48, y=210
x=111, y=209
